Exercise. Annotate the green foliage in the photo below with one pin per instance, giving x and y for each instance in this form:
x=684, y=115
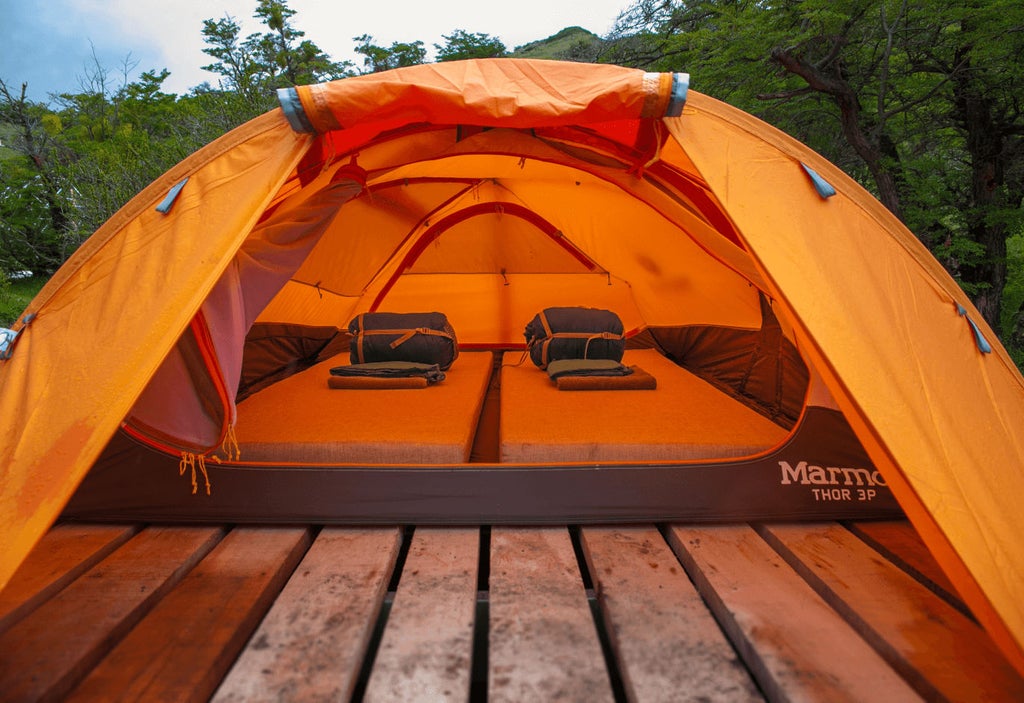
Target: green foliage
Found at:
x=463, y=45
x=68, y=171
x=27, y=237
x=379, y=58
x=256, y=66
x=572, y=44
x=1013, y=294
x=15, y=296
x=7, y=314
x=32, y=218
x=918, y=101
x=235, y=62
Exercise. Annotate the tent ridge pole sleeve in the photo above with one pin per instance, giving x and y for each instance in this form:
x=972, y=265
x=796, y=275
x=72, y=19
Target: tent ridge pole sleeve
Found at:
x=293, y=110
x=665, y=94
x=315, y=108
x=677, y=96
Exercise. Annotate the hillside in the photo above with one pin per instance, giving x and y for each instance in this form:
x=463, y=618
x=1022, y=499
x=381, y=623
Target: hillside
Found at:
x=574, y=43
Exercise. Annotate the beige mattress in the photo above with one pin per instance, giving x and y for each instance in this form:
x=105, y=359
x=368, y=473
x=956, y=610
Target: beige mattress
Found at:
x=685, y=418
x=301, y=420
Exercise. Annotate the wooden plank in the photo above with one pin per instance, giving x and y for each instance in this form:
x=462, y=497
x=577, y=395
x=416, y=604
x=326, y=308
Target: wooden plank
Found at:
x=667, y=643
x=312, y=643
x=900, y=543
x=62, y=555
x=936, y=648
x=796, y=646
x=427, y=649
x=48, y=652
x=543, y=645
x=182, y=648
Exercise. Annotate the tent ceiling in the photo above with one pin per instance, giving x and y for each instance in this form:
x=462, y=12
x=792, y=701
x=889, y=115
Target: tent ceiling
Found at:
x=505, y=201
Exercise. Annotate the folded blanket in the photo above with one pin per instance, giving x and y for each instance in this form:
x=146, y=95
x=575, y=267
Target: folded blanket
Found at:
x=636, y=380
x=432, y=373
x=376, y=382
x=586, y=367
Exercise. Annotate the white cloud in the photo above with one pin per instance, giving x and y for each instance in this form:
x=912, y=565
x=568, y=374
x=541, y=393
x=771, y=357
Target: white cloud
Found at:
x=169, y=35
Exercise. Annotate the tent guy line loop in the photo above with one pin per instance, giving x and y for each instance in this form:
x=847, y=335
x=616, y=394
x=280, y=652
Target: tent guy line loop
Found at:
x=172, y=197
x=9, y=338
x=189, y=462
x=230, y=446
x=823, y=188
x=979, y=339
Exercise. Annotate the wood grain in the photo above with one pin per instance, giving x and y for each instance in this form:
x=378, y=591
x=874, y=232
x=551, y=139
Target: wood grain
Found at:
x=667, y=643
x=181, y=650
x=48, y=652
x=942, y=653
x=543, y=645
x=311, y=644
x=62, y=555
x=797, y=647
x=427, y=649
x=898, y=541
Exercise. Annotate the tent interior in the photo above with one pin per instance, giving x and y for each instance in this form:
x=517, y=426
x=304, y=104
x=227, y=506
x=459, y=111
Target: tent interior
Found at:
x=489, y=226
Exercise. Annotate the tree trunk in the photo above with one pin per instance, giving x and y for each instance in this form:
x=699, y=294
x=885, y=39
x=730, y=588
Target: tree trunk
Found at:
x=985, y=143
x=849, y=116
x=16, y=111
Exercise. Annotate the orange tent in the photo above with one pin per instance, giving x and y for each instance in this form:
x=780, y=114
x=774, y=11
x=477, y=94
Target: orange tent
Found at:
x=490, y=190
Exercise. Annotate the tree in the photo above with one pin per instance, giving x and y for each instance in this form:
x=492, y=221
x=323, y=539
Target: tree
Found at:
x=463, y=45
x=278, y=44
x=66, y=168
x=144, y=106
x=916, y=100
x=32, y=207
x=259, y=64
x=290, y=61
x=379, y=58
x=235, y=61
x=978, y=56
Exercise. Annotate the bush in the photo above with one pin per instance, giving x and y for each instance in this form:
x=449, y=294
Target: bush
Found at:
x=15, y=296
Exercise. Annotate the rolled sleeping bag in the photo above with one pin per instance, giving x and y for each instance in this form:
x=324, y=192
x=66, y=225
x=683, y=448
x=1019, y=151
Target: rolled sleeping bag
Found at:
x=574, y=333
x=420, y=337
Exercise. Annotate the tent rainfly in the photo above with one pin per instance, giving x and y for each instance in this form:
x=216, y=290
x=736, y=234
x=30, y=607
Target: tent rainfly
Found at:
x=810, y=358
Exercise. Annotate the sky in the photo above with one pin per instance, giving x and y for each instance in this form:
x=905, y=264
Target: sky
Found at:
x=50, y=44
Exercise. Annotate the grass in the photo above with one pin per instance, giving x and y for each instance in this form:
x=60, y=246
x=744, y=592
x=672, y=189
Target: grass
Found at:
x=555, y=46
x=15, y=297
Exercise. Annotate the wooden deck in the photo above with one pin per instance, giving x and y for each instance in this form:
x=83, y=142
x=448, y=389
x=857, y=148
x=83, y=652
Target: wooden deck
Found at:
x=808, y=612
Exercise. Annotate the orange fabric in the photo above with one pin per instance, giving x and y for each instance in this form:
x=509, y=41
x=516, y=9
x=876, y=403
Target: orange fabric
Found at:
x=878, y=316
x=532, y=93
x=301, y=419
x=109, y=317
x=663, y=261
x=684, y=419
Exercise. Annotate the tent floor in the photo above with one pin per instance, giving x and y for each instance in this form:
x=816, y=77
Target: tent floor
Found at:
x=811, y=611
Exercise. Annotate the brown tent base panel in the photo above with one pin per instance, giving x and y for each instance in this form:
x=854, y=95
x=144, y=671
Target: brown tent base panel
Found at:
x=791, y=482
